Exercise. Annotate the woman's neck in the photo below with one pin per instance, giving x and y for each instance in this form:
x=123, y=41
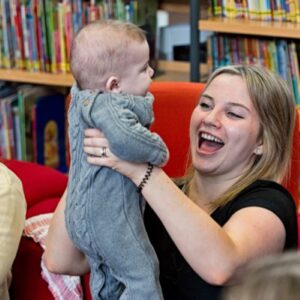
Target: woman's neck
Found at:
x=205, y=190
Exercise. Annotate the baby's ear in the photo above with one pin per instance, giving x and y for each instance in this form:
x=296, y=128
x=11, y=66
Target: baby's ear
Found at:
x=112, y=85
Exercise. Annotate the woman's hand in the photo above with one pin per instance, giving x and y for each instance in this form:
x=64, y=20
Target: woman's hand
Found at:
x=96, y=146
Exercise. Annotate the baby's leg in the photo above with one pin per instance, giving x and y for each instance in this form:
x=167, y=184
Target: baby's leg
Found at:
x=102, y=284
x=121, y=238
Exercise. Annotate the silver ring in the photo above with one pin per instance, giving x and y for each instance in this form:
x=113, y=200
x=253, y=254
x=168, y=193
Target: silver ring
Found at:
x=103, y=152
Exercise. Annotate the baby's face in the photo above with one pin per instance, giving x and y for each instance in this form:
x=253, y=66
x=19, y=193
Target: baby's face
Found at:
x=136, y=73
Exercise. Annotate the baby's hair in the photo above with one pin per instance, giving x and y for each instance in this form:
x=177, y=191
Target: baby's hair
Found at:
x=100, y=49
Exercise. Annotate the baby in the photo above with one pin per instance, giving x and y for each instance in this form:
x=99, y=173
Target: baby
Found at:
x=104, y=211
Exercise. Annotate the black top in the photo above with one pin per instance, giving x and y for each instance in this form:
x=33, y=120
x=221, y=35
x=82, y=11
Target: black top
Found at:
x=178, y=280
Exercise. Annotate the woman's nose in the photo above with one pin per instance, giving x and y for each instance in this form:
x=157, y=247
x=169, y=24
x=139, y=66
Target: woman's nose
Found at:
x=212, y=118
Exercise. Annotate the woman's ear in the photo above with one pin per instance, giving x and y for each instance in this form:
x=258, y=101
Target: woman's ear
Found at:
x=258, y=150
x=112, y=85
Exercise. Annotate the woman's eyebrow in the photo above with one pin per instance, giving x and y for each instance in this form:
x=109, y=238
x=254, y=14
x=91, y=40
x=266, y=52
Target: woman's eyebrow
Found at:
x=230, y=103
x=239, y=105
x=207, y=96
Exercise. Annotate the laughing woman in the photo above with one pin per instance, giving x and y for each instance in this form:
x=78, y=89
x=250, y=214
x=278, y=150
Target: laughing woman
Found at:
x=231, y=208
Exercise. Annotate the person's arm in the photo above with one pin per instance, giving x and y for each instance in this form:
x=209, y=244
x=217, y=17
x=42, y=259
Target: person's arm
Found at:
x=128, y=138
x=214, y=252
x=12, y=219
x=61, y=256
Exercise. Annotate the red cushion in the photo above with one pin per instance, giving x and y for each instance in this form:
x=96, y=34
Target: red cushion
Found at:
x=39, y=182
x=43, y=207
x=27, y=283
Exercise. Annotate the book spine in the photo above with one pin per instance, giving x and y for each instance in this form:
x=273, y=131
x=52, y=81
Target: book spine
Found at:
x=68, y=33
x=294, y=69
x=62, y=41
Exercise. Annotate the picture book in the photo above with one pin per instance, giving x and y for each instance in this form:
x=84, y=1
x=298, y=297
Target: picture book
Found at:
x=49, y=127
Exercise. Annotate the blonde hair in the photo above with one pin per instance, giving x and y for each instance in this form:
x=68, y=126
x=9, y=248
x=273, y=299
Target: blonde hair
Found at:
x=271, y=278
x=100, y=49
x=275, y=107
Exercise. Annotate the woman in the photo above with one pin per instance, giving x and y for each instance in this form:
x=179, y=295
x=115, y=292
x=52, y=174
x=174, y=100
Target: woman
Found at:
x=230, y=209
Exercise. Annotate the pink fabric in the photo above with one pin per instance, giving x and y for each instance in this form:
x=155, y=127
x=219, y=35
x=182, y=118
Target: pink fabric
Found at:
x=63, y=287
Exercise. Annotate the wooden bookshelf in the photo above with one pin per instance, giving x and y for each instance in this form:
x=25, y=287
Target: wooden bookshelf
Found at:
x=167, y=71
x=240, y=26
x=36, y=77
x=285, y=30
x=180, y=8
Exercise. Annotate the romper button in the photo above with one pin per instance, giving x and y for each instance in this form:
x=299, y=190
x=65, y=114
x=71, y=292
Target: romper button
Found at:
x=86, y=102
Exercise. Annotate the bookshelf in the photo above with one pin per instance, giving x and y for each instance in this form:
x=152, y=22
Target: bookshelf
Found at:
x=180, y=12
x=284, y=36
x=259, y=28
x=43, y=78
x=167, y=71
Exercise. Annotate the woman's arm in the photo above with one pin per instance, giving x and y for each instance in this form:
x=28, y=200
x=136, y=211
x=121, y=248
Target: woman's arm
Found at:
x=61, y=256
x=214, y=252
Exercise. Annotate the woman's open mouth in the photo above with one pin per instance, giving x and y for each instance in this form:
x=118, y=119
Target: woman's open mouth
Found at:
x=209, y=143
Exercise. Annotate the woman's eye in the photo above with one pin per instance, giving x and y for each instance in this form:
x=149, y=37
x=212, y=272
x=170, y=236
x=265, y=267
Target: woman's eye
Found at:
x=204, y=105
x=234, y=115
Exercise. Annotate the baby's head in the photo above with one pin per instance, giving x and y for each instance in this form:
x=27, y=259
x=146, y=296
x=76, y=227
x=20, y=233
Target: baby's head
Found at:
x=112, y=56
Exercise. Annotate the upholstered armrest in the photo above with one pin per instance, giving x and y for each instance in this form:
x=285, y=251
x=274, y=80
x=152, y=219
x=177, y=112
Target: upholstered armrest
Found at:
x=39, y=182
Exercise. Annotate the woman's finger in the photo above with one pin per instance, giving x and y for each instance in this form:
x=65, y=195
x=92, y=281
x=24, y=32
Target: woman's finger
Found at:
x=93, y=133
x=95, y=142
x=102, y=157
x=102, y=151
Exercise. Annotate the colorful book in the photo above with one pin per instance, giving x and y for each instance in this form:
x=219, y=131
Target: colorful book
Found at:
x=294, y=69
x=16, y=129
x=27, y=96
x=27, y=58
x=62, y=41
x=50, y=131
x=42, y=15
x=6, y=128
x=68, y=33
x=7, y=41
x=51, y=27
x=16, y=19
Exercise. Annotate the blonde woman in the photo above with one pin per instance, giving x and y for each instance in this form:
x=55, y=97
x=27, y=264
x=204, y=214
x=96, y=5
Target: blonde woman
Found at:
x=231, y=209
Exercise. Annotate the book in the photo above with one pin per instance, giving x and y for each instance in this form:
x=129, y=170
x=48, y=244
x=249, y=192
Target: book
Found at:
x=16, y=129
x=7, y=47
x=62, y=62
x=49, y=127
x=294, y=69
x=6, y=128
x=51, y=28
x=282, y=58
x=16, y=19
x=27, y=96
